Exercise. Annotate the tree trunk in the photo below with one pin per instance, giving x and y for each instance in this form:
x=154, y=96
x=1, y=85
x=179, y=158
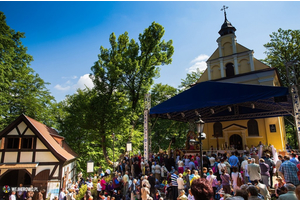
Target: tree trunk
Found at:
x=105, y=152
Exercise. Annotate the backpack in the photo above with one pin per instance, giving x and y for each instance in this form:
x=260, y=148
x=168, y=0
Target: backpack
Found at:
x=215, y=168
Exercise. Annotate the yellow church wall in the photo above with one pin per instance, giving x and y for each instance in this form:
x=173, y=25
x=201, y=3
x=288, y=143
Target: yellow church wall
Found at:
x=275, y=138
x=204, y=77
x=216, y=72
x=240, y=48
x=227, y=49
x=215, y=55
x=265, y=136
x=259, y=65
x=244, y=66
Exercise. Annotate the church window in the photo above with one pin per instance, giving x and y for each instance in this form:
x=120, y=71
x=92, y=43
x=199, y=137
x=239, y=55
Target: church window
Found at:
x=27, y=143
x=252, y=128
x=12, y=143
x=229, y=70
x=218, y=129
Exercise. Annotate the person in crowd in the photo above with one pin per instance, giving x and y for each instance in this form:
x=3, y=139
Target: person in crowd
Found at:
x=234, y=176
x=157, y=171
x=228, y=166
x=212, y=179
x=221, y=165
x=241, y=193
x=180, y=183
x=145, y=192
x=290, y=195
x=265, y=174
x=263, y=189
x=225, y=177
x=297, y=192
x=253, y=192
x=289, y=171
x=164, y=172
x=190, y=196
x=271, y=164
x=151, y=180
x=233, y=160
x=205, y=159
x=255, y=156
x=278, y=164
x=244, y=168
x=293, y=159
x=192, y=165
x=12, y=196
x=157, y=196
x=201, y=189
x=254, y=171
x=61, y=194
x=99, y=188
x=174, y=185
x=182, y=195
x=133, y=189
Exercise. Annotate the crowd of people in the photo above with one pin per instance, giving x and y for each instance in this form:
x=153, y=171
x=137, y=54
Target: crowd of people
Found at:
x=236, y=176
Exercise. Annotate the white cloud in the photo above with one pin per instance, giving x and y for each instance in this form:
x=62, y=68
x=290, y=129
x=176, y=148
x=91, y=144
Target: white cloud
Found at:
x=59, y=87
x=84, y=81
x=199, y=63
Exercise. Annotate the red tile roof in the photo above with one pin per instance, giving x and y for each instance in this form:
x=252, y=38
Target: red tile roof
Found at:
x=47, y=132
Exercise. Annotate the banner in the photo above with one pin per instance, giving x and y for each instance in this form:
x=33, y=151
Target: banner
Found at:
x=147, y=105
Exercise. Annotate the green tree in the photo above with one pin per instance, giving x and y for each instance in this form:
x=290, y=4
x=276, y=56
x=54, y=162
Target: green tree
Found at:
x=22, y=90
x=284, y=47
x=191, y=78
x=163, y=130
x=123, y=74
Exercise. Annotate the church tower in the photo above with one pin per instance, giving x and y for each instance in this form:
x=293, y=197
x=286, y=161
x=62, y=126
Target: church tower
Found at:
x=230, y=58
x=231, y=62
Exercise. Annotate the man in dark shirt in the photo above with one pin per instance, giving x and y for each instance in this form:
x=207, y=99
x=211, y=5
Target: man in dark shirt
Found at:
x=151, y=180
x=206, y=162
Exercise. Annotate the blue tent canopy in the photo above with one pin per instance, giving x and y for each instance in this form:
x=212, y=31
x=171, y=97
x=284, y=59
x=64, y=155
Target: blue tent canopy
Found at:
x=219, y=101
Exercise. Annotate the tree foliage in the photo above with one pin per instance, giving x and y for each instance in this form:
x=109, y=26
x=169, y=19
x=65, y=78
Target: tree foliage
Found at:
x=284, y=47
x=22, y=90
x=164, y=130
x=122, y=75
x=191, y=78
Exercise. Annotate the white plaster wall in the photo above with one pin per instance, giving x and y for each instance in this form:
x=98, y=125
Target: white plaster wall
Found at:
x=22, y=127
x=40, y=145
x=10, y=157
x=45, y=157
x=29, y=132
x=26, y=157
x=13, y=132
x=43, y=167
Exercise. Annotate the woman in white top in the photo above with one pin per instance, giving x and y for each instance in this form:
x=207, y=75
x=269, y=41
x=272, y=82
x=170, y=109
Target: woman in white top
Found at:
x=180, y=183
x=234, y=175
x=164, y=171
x=222, y=165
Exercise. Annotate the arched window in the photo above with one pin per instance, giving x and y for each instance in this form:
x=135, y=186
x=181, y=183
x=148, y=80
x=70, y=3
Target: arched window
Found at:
x=218, y=129
x=229, y=70
x=252, y=128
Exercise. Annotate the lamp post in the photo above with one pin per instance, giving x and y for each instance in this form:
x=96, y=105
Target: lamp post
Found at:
x=200, y=125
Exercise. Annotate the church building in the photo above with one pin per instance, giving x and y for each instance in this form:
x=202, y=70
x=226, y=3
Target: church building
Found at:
x=233, y=63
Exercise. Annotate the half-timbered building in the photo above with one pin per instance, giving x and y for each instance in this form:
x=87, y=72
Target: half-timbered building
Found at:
x=32, y=153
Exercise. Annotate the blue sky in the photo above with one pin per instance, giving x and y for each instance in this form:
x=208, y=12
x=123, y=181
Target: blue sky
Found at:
x=64, y=37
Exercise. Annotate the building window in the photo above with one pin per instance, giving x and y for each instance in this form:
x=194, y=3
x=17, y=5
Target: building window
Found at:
x=252, y=128
x=26, y=143
x=12, y=143
x=218, y=129
x=229, y=70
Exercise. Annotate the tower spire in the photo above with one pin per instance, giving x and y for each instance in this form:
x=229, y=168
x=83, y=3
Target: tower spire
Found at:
x=227, y=27
x=224, y=8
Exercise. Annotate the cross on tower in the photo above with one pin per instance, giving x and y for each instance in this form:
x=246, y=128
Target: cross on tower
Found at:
x=224, y=8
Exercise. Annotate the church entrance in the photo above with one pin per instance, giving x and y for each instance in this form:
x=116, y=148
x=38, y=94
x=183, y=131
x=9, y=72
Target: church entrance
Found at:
x=236, y=141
